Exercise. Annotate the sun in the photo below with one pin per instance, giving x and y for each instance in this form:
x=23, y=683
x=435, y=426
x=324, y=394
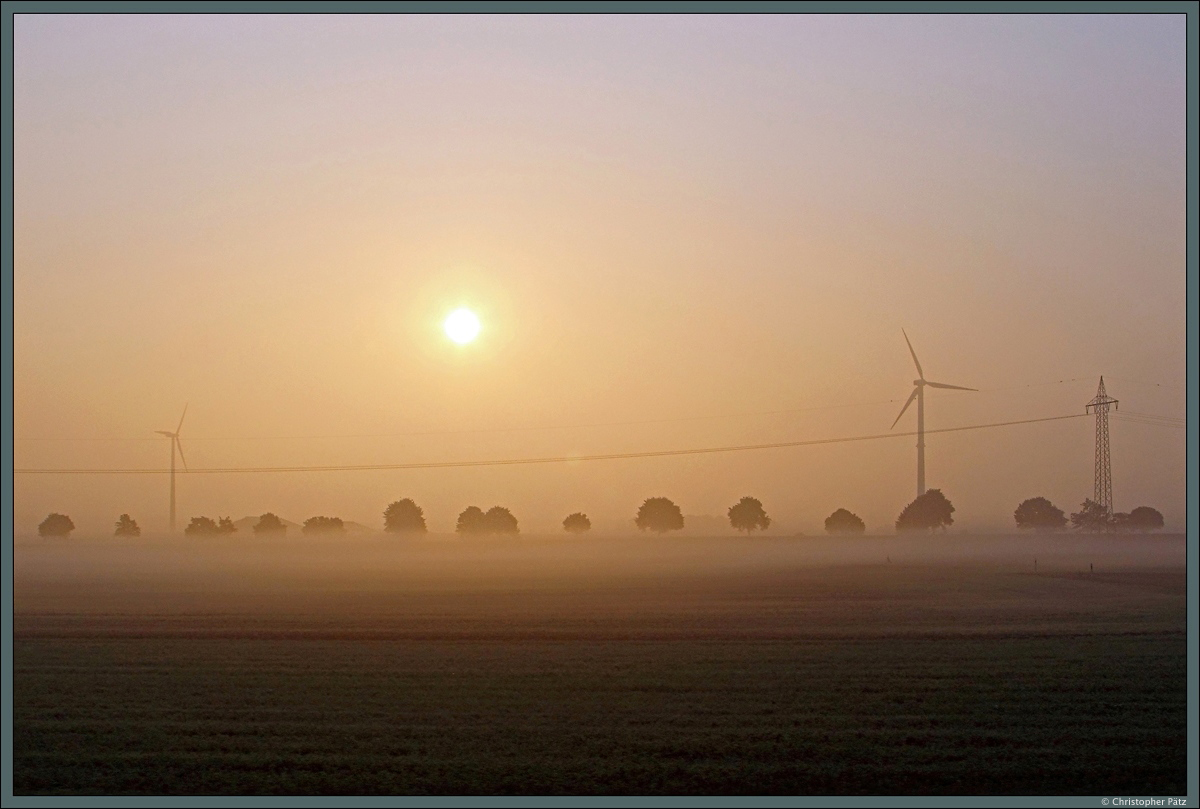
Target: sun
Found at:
x=462, y=326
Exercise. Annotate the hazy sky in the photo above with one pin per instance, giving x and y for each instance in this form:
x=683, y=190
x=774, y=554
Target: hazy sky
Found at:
x=656, y=217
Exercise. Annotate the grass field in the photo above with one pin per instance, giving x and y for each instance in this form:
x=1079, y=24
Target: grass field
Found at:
x=622, y=666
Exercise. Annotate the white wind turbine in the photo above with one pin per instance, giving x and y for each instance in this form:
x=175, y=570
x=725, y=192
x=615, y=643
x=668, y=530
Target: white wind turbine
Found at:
x=920, y=383
x=175, y=445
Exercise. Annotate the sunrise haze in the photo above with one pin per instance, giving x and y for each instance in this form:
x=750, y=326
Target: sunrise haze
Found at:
x=656, y=220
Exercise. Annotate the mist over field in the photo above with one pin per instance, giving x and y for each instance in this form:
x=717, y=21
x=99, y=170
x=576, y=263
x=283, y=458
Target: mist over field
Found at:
x=552, y=586
x=601, y=665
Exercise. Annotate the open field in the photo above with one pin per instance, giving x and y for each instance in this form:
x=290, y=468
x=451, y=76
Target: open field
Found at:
x=636, y=666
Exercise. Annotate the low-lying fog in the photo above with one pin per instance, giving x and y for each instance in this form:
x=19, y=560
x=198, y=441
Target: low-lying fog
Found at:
x=444, y=584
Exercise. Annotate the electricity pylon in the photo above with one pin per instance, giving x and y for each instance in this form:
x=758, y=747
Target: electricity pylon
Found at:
x=1100, y=405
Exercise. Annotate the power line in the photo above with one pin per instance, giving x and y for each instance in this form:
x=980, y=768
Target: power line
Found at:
x=544, y=460
x=532, y=428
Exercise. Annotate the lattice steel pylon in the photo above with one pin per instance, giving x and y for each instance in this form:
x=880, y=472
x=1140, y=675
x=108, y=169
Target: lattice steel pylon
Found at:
x=1099, y=405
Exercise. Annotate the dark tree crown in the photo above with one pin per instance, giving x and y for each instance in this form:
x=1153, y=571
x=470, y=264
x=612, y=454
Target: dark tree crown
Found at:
x=202, y=526
x=323, y=525
x=269, y=524
x=843, y=521
x=659, y=514
x=404, y=516
x=1039, y=514
x=748, y=515
x=127, y=527
x=577, y=523
x=926, y=513
x=56, y=525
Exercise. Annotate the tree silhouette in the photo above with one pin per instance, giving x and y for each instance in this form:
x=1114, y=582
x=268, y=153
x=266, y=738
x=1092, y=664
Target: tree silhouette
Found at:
x=1144, y=518
x=127, y=527
x=471, y=521
x=226, y=526
x=56, y=525
x=844, y=522
x=404, y=516
x=1091, y=517
x=201, y=526
x=577, y=523
x=748, y=515
x=659, y=514
x=928, y=512
x=1039, y=514
x=269, y=524
x=323, y=525
x=500, y=520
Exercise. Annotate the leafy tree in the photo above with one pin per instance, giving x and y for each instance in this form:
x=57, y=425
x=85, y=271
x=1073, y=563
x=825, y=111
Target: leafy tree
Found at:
x=127, y=527
x=202, y=526
x=226, y=526
x=471, y=521
x=747, y=515
x=844, y=522
x=659, y=514
x=1091, y=517
x=1039, y=514
x=56, y=525
x=323, y=525
x=500, y=520
x=577, y=523
x=404, y=516
x=269, y=524
x=928, y=512
x=1144, y=518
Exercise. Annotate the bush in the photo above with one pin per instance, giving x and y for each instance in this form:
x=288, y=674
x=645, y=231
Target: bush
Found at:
x=659, y=514
x=56, y=525
x=844, y=522
x=404, y=516
x=202, y=526
x=127, y=527
x=323, y=525
x=269, y=524
x=497, y=520
x=577, y=523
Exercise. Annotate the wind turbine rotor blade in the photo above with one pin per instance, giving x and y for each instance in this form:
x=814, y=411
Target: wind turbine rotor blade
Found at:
x=179, y=446
x=949, y=387
x=911, y=396
x=916, y=361
x=164, y=432
x=181, y=419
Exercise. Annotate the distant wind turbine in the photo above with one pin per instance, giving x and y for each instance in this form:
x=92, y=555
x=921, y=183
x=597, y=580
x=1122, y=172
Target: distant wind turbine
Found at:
x=918, y=393
x=175, y=445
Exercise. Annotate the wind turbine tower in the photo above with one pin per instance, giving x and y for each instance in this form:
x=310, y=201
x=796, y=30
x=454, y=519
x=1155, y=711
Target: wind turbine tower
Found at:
x=1103, y=491
x=919, y=385
x=174, y=437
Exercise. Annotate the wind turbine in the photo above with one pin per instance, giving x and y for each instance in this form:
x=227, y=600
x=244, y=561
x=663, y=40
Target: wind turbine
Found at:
x=920, y=383
x=175, y=444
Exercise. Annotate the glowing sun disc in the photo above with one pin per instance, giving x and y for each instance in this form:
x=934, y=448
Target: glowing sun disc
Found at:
x=461, y=326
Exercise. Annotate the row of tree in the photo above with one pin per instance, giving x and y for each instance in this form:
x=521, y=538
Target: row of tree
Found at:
x=931, y=511
x=1039, y=514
